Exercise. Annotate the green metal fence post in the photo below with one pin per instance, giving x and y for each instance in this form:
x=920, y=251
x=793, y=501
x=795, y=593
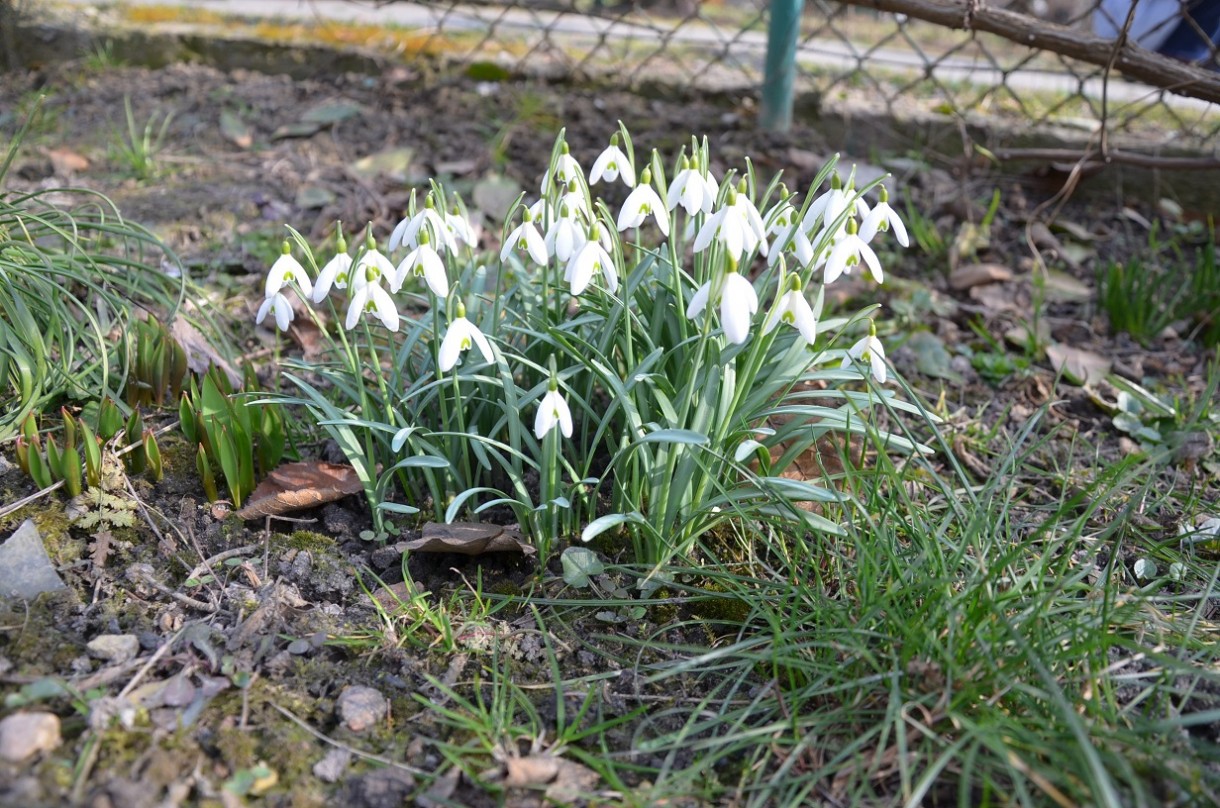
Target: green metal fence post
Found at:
x=780, y=76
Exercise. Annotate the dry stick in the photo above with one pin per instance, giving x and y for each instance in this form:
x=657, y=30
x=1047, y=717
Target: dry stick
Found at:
x=339, y=745
x=148, y=580
x=206, y=565
x=152, y=660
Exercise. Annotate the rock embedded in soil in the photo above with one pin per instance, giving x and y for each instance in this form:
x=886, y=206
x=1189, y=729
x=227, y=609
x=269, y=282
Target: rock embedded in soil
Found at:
x=114, y=648
x=23, y=735
x=25, y=570
x=330, y=768
x=383, y=788
x=362, y=707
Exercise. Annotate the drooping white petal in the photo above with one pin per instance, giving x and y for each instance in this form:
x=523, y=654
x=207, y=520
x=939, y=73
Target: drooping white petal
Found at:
x=794, y=309
x=336, y=273
x=870, y=259
x=383, y=306
x=738, y=303
x=699, y=302
x=880, y=218
x=360, y=298
x=869, y=348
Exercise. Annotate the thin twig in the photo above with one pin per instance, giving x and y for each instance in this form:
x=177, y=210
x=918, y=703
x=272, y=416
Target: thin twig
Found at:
x=206, y=565
x=1098, y=157
x=339, y=745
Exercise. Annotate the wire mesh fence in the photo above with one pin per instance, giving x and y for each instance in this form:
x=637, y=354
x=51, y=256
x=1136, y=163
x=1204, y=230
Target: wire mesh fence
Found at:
x=1032, y=62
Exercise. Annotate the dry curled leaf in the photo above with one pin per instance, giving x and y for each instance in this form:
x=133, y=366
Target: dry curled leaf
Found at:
x=469, y=538
x=297, y=486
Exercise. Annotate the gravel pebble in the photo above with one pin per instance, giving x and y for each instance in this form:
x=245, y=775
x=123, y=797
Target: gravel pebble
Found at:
x=362, y=707
x=22, y=735
x=114, y=648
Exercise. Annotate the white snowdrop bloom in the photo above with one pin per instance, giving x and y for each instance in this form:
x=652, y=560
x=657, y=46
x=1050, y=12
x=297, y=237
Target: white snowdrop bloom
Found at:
x=883, y=217
x=566, y=235
x=371, y=267
x=786, y=235
x=407, y=232
x=574, y=199
x=641, y=203
x=336, y=273
x=792, y=308
x=526, y=238
x=591, y=259
x=285, y=270
x=692, y=189
x=552, y=410
x=368, y=296
x=847, y=253
x=462, y=335
x=426, y=262
x=869, y=349
x=566, y=170
x=282, y=308
x=459, y=226
x=737, y=226
x=738, y=303
x=611, y=164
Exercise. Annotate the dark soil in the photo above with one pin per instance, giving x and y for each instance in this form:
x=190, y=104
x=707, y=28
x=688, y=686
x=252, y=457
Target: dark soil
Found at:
x=282, y=629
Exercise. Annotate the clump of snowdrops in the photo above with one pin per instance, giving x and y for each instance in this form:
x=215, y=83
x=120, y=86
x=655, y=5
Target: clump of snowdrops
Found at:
x=604, y=368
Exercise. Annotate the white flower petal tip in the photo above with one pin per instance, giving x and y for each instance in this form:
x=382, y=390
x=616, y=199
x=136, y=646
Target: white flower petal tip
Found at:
x=869, y=348
x=462, y=336
x=552, y=410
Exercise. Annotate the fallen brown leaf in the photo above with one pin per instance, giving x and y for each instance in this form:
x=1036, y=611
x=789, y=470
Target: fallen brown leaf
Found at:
x=469, y=538
x=66, y=162
x=297, y=486
x=533, y=770
x=970, y=275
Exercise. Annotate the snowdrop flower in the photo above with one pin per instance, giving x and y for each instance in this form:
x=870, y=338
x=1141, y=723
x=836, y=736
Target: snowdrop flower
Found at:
x=283, y=271
x=793, y=309
x=591, y=259
x=462, y=335
x=640, y=203
x=611, y=164
x=828, y=207
x=337, y=270
x=692, y=189
x=883, y=217
x=369, y=296
x=566, y=170
x=787, y=234
x=737, y=226
x=282, y=308
x=738, y=303
x=869, y=350
x=566, y=235
x=407, y=232
x=526, y=238
x=847, y=253
x=457, y=224
x=552, y=410
x=426, y=261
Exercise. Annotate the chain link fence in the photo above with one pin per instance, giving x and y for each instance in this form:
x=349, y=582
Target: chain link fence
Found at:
x=1049, y=64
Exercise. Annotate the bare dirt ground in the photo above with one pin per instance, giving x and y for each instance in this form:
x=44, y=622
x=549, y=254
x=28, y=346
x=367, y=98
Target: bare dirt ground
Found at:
x=262, y=653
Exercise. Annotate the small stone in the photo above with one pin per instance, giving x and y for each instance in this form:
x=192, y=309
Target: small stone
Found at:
x=362, y=707
x=299, y=647
x=25, y=570
x=23, y=735
x=330, y=768
x=114, y=648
